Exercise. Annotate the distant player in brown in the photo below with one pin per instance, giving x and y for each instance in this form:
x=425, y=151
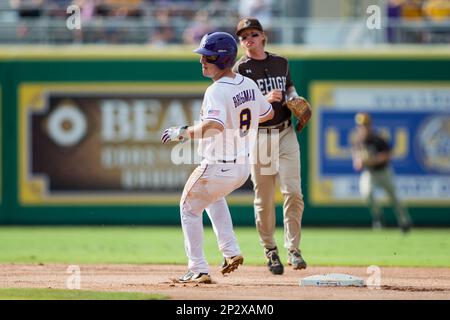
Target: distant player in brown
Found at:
x=271, y=74
x=371, y=155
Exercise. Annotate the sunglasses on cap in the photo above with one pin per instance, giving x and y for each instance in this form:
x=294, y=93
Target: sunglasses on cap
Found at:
x=253, y=35
x=211, y=59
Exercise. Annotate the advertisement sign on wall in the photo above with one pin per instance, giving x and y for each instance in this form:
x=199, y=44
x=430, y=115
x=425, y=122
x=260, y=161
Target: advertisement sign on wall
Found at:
x=413, y=117
x=100, y=143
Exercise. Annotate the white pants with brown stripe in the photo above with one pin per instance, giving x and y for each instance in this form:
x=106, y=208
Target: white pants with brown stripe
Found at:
x=287, y=172
x=206, y=189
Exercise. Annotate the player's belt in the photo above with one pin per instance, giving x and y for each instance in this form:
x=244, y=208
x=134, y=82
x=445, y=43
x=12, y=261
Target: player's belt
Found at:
x=230, y=161
x=279, y=127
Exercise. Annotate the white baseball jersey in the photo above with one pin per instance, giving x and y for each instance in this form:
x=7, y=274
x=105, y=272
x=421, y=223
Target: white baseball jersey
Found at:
x=237, y=104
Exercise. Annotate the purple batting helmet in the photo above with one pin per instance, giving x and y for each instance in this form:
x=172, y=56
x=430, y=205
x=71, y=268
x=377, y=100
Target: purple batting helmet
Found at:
x=220, y=47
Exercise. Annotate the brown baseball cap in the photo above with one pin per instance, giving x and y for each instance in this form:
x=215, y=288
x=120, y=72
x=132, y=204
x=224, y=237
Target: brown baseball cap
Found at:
x=248, y=23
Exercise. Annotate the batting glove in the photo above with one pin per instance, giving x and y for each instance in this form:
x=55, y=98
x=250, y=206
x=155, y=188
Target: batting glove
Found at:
x=175, y=134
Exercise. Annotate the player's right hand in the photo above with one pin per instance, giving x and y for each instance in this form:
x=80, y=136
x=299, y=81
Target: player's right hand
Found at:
x=274, y=96
x=174, y=134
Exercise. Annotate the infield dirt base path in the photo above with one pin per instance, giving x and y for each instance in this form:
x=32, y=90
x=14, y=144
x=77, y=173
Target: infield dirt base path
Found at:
x=248, y=282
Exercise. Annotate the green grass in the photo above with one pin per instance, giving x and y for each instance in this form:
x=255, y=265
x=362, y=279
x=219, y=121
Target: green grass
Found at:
x=142, y=245
x=53, y=294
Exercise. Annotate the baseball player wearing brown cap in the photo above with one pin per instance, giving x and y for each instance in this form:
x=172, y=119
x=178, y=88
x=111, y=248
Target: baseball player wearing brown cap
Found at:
x=371, y=155
x=272, y=75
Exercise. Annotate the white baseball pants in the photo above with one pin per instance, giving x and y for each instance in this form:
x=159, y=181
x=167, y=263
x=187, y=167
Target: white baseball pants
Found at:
x=206, y=189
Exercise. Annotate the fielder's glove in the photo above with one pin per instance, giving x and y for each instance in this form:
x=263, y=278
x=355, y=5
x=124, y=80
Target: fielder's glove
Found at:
x=178, y=134
x=301, y=110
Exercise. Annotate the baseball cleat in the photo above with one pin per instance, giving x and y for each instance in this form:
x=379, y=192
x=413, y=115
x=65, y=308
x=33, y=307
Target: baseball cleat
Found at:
x=191, y=277
x=231, y=264
x=296, y=260
x=405, y=228
x=273, y=261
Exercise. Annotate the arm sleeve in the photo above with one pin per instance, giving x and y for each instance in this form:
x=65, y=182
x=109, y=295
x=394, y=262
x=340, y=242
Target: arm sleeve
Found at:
x=383, y=145
x=289, y=82
x=215, y=109
x=388, y=146
x=264, y=105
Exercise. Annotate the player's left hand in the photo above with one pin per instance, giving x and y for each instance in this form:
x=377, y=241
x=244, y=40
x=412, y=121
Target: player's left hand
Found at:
x=178, y=134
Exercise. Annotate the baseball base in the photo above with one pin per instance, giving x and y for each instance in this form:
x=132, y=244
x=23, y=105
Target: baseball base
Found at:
x=332, y=280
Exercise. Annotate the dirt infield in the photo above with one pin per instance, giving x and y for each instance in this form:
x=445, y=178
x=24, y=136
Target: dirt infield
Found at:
x=249, y=282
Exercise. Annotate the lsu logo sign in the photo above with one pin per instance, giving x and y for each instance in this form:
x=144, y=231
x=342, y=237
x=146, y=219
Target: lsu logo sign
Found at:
x=413, y=118
x=433, y=144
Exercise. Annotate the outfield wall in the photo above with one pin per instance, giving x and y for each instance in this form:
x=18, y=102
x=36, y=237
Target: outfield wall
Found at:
x=80, y=133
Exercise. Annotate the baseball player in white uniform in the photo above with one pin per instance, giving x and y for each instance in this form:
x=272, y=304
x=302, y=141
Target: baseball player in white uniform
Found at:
x=231, y=110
